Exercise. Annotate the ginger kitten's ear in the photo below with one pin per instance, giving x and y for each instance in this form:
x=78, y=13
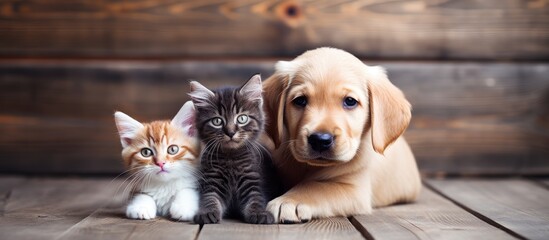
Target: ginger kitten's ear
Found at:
x=127, y=128
x=199, y=94
x=184, y=119
x=252, y=88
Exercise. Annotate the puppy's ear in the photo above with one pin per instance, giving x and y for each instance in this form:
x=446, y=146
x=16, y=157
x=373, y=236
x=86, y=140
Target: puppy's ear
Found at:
x=274, y=95
x=390, y=112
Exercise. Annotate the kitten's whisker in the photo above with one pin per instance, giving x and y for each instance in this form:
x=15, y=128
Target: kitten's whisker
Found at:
x=216, y=150
x=119, y=176
x=133, y=174
x=210, y=147
x=147, y=181
x=288, y=142
x=251, y=148
x=207, y=145
x=261, y=146
x=136, y=179
x=132, y=179
x=135, y=185
x=258, y=148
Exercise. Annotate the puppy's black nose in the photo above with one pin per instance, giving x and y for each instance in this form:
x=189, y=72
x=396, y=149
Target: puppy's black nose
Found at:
x=321, y=141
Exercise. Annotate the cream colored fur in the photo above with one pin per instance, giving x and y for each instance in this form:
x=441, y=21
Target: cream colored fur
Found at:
x=371, y=164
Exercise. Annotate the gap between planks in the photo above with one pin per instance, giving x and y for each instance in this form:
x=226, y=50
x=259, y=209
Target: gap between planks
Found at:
x=327, y=228
x=412, y=217
x=43, y=207
x=430, y=217
x=475, y=213
x=110, y=223
x=516, y=206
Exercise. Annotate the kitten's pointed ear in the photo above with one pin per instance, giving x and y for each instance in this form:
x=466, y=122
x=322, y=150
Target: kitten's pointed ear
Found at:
x=252, y=89
x=185, y=119
x=127, y=128
x=199, y=94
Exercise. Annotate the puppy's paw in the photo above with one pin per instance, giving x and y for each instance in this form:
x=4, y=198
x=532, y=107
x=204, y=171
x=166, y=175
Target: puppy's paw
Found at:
x=182, y=212
x=141, y=211
x=287, y=210
x=259, y=217
x=207, y=217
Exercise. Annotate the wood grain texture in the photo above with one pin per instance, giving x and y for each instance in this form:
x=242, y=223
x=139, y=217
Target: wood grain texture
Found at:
x=329, y=228
x=111, y=223
x=545, y=182
x=458, y=29
x=62, y=113
x=7, y=184
x=477, y=118
x=468, y=118
x=45, y=208
x=518, y=205
x=431, y=217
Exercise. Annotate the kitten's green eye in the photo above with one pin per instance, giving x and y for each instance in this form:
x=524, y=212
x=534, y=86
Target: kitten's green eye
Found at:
x=242, y=119
x=217, y=122
x=173, y=149
x=146, y=152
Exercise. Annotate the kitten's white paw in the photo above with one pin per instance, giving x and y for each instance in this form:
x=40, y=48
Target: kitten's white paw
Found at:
x=185, y=205
x=182, y=212
x=141, y=207
x=140, y=212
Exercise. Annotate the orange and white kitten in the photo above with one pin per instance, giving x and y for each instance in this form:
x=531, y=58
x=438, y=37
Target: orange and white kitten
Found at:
x=163, y=158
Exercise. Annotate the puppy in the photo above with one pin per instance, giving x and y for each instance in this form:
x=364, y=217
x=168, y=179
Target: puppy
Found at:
x=334, y=127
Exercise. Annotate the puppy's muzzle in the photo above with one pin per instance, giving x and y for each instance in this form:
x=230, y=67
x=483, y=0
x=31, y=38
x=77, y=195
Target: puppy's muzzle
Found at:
x=321, y=142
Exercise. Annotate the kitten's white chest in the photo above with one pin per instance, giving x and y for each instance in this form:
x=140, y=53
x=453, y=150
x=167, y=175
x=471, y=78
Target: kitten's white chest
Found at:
x=164, y=193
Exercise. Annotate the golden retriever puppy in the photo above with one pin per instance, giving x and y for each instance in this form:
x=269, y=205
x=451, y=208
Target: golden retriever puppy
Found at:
x=334, y=127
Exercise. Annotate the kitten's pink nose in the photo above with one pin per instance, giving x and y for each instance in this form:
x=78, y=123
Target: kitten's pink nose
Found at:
x=160, y=164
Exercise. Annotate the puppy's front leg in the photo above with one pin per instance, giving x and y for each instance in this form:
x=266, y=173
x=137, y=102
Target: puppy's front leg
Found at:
x=317, y=199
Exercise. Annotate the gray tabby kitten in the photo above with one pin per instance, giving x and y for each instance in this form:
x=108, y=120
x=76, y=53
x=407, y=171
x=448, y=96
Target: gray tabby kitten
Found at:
x=229, y=122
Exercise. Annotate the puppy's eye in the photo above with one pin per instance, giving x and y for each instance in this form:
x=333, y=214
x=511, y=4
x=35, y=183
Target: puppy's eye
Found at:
x=300, y=101
x=146, y=152
x=173, y=149
x=350, y=103
x=216, y=122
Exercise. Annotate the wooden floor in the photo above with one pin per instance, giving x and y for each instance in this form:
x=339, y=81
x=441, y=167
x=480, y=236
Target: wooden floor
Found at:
x=92, y=208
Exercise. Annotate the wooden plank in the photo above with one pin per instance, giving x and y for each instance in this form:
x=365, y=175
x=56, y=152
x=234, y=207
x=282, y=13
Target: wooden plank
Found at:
x=468, y=118
x=431, y=217
x=329, y=228
x=95, y=89
x=461, y=121
x=545, y=182
x=63, y=111
x=59, y=145
x=518, y=205
x=7, y=184
x=44, y=208
x=111, y=223
x=458, y=29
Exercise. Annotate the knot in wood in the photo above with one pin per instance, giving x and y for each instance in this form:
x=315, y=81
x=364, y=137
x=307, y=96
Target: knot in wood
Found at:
x=290, y=13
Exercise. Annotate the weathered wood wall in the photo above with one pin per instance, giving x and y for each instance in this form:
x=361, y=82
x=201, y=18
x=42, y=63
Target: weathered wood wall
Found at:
x=408, y=29
x=476, y=72
x=469, y=118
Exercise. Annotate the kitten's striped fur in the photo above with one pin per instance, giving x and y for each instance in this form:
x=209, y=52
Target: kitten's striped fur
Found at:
x=232, y=162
